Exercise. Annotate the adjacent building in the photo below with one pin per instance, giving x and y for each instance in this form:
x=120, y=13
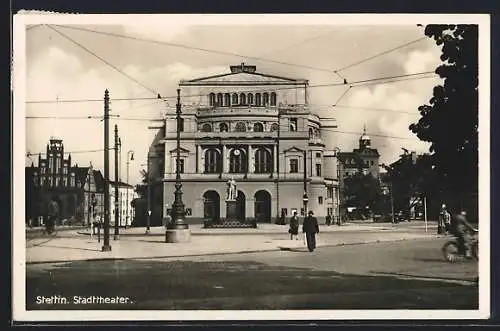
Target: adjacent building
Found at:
x=126, y=194
x=79, y=191
x=254, y=127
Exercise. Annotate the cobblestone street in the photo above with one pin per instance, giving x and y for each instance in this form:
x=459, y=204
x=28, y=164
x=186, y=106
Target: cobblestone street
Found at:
x=397, y=275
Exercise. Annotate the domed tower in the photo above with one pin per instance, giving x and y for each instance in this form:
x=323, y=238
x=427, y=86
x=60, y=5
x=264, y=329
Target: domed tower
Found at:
x=364, y=140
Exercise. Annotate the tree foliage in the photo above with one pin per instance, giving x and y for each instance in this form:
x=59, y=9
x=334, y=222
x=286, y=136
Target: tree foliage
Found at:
x=450, y=120
x=361, y=191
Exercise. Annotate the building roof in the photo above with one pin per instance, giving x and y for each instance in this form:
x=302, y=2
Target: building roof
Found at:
x=121, y=184
x=99, y=180
x=243, y=74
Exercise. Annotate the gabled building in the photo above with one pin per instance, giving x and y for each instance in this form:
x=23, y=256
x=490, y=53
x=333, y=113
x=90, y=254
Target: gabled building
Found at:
x=254, y=127
x=78, y=190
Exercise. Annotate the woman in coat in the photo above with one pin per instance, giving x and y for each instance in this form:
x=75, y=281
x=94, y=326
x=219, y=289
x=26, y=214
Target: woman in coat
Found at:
x=294, y=226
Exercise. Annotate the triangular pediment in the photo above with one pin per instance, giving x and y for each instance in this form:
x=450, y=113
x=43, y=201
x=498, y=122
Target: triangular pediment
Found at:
x=182, y=150
x=241, y=77
x=293, y=149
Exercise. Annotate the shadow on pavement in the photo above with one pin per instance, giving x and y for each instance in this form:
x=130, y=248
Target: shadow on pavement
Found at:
x=188, y=285
x=74, y=248
x=436, y=278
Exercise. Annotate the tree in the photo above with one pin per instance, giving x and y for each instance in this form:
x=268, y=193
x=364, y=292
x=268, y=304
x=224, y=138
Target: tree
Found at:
x=450, y=120
x=361, y=191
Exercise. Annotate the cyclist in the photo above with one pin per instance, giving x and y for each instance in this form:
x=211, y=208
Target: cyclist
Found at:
x=462, y=230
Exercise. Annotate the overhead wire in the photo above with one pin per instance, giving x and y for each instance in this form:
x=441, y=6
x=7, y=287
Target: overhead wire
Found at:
x=371, y=81
x=102, y=59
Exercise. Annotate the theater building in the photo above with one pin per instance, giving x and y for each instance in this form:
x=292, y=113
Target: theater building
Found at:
x=254, y=127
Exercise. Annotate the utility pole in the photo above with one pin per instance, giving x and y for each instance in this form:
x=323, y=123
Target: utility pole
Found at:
x=106, y=247
x=148, y=219
x=89, y=206
x=392, y=204
x=117, y=206
x=305, y=198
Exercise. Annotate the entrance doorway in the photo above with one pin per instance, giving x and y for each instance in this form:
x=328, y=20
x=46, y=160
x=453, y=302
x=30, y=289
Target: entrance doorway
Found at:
x=211, y=205
x=262, y=206
x=241, y=205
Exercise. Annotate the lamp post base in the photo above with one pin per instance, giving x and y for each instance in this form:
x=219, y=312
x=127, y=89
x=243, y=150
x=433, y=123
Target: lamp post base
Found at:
x=116, y=237
x=177, y=235
x=147, y=231
x=106, y=248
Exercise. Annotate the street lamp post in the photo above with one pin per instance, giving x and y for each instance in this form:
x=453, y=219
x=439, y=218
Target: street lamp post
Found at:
x=305, y=200
x=130, y=157
x=148, y=218
x=178, y=230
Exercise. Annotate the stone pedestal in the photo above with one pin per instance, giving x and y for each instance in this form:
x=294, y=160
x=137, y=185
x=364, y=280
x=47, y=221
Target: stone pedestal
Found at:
x=231, y=211
x=177, y=235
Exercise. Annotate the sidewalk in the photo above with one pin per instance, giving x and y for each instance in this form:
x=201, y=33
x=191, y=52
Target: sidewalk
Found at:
x=152, y=246
x=266, y=228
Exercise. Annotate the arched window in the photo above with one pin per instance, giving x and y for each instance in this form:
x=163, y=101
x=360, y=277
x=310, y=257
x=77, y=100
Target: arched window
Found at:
x=213, y=161
x=273, y=99
x=240, y=127
x=243, y=100
x=258, y=127
x=263, y=161
x=237, y=161
x=227, y=99
x=274, y=127
x=235, y=99
x=206, y=128
x=223, y=127
x=211, y=99
x=266, y=99
x=219, y=99
x=258, y=99
x=250, y=98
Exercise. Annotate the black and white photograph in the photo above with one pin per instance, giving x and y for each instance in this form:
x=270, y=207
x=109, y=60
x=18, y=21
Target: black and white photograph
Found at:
x=260, y=167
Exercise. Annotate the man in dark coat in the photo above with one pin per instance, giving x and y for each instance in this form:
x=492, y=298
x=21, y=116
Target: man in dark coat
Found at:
x=310, y=228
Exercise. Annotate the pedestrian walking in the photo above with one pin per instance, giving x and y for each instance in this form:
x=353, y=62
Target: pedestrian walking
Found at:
x=444, y=221
x=294, y=226
x=310, y=229
x=328, y=219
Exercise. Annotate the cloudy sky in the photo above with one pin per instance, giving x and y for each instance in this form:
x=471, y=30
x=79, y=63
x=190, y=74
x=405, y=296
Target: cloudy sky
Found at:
x=59, y=69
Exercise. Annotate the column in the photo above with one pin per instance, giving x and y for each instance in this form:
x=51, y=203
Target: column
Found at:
x=199, y=164
x=275, y=158
x=225, y=165
x=250, y=159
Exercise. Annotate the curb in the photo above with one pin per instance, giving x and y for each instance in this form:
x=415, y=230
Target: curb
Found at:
x=224, y=253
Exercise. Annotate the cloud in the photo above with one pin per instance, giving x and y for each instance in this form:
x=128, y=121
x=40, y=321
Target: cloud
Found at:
x=56, y=73
x=164, y=30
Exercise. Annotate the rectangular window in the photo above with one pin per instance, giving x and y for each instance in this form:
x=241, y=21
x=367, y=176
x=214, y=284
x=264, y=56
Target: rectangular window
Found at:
x=330, y=211
x=318, y=154
x=181, y=125
x=293, y=124
x=65, y=170
x=294, y=166
x=284, y=211
x=372, y=162
x=329, y=193
x=58, y=165
x=320, y=200
x=302, y=212
x=318, y=169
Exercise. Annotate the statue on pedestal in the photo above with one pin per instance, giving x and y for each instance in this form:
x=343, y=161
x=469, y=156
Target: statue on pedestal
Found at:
x=232, y=192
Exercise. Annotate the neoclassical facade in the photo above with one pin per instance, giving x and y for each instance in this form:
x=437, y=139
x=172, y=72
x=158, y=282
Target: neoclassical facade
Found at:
x=250, y=126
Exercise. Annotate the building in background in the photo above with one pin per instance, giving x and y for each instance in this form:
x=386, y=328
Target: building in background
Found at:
x=254, y=127
x=79, y=191
x=363, y=159
x=124, y=189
